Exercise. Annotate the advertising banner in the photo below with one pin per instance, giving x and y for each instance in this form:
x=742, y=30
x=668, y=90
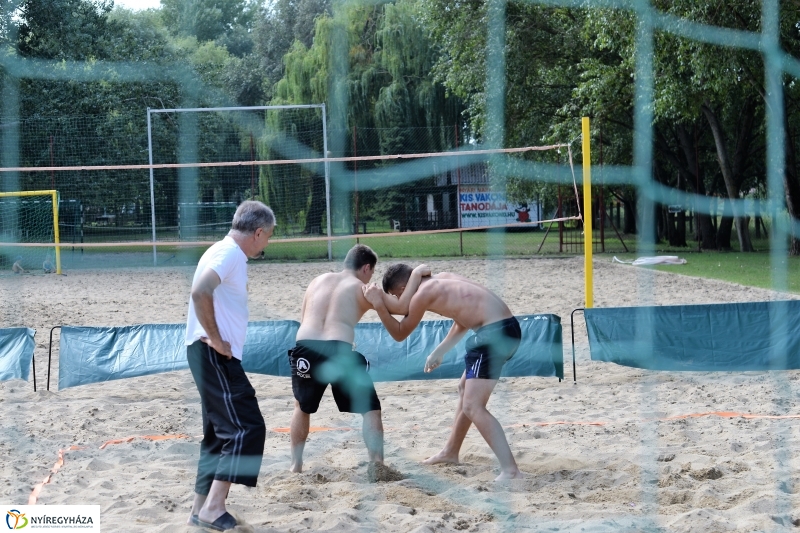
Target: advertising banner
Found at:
x=481, y=206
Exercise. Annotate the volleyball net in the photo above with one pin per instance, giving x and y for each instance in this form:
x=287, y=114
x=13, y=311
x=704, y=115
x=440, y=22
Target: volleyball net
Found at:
x=203, y=162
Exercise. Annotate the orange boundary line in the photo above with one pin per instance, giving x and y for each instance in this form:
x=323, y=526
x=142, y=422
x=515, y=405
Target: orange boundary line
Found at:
x=146, y=437
x=56, y=467
x=557, y=423
x=313, y=429
x=728, y=414
x=37, y=489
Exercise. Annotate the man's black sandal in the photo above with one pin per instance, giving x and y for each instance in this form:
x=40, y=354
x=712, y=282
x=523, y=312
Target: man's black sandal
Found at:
x=223, y=523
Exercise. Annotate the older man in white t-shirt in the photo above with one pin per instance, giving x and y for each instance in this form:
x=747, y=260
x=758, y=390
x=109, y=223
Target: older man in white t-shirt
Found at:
x=233, y=428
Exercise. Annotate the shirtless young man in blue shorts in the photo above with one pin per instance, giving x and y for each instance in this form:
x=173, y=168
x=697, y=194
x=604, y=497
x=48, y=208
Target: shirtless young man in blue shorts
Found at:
x=497, y=336
x=324, y=355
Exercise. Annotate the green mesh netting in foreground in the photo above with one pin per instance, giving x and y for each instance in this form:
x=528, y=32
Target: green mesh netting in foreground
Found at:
x=649, y=31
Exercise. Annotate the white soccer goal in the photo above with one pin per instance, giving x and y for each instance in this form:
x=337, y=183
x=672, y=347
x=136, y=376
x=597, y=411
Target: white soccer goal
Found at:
x=29, y=236
x=202, y=183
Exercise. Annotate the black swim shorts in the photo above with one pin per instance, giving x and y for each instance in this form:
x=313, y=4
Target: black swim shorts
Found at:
x=490, y=347
x=315, y=364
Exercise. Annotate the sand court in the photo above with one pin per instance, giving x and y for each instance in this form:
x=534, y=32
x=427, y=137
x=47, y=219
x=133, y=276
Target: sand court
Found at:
x=616, y=450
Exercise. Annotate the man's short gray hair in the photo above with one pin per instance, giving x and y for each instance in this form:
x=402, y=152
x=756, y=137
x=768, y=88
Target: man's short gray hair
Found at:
x=251, y=215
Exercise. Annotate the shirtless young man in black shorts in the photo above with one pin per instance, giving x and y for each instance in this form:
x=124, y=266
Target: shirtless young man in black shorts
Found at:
x=332, y=306
x=497, y=336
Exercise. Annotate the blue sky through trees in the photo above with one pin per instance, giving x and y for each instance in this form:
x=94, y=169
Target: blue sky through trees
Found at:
x=137, y=5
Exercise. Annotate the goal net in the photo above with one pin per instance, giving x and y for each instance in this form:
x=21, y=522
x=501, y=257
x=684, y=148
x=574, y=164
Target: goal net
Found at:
x=205, y=220
x=212, y=156
x=29, y=232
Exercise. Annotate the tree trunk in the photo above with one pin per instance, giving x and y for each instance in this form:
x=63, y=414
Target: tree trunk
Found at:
x=791, y=185
x=317, y=207
x=629, y=219
x=733, y=168
x=678, y=237
x=794, y=246
x=663, y=223
x=648, y=222
x=708, y=233
x=743, y=233
x=724, y=233
x=705, y=231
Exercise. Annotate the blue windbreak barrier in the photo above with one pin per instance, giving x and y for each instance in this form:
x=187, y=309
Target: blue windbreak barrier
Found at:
x=93, y=354
x=16, y=353
x=540, y=352
x=722, y=337
x=267, y=345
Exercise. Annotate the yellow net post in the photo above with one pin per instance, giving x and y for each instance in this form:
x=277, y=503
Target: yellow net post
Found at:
x=587, y=212
x=56, y=236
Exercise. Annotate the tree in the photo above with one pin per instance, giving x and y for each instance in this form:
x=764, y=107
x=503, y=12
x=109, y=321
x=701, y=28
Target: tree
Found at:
x=543, y=47
x=65, y=29
x=207, y=20
x=278, y=27
x=390, y=88
x=89, y=122
x=695, y=86
x=705, y=97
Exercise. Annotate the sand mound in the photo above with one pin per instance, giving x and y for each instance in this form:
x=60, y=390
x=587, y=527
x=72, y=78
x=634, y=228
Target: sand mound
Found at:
x=377, y=472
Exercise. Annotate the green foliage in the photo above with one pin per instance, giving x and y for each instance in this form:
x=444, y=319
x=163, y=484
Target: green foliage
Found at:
x=289, y=189
x=563, y=63
x=207, y=19
x=104, y=121
x=389, y=89
x=543, y=47
x=66, y=29
x=306, y=78
x=277, y=30
x=413, y=69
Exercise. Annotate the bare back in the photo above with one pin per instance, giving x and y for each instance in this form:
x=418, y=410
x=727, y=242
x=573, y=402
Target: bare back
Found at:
x=332, y=306
x=470, y=304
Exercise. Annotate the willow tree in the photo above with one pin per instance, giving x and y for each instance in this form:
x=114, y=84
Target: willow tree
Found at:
x=392, y=97
x=293, y=190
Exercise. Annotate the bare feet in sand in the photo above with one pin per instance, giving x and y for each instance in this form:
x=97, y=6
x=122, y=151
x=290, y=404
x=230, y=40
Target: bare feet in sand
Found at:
x=441, y=458
x=505, y=476
x=296, y=468
x=444, y=458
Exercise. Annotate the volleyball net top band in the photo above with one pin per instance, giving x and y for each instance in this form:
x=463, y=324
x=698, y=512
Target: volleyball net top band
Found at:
x=217, y=215
x=461, y=153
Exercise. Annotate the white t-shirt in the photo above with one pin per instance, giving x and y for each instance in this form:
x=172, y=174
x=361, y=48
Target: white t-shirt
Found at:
x=230, y=297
